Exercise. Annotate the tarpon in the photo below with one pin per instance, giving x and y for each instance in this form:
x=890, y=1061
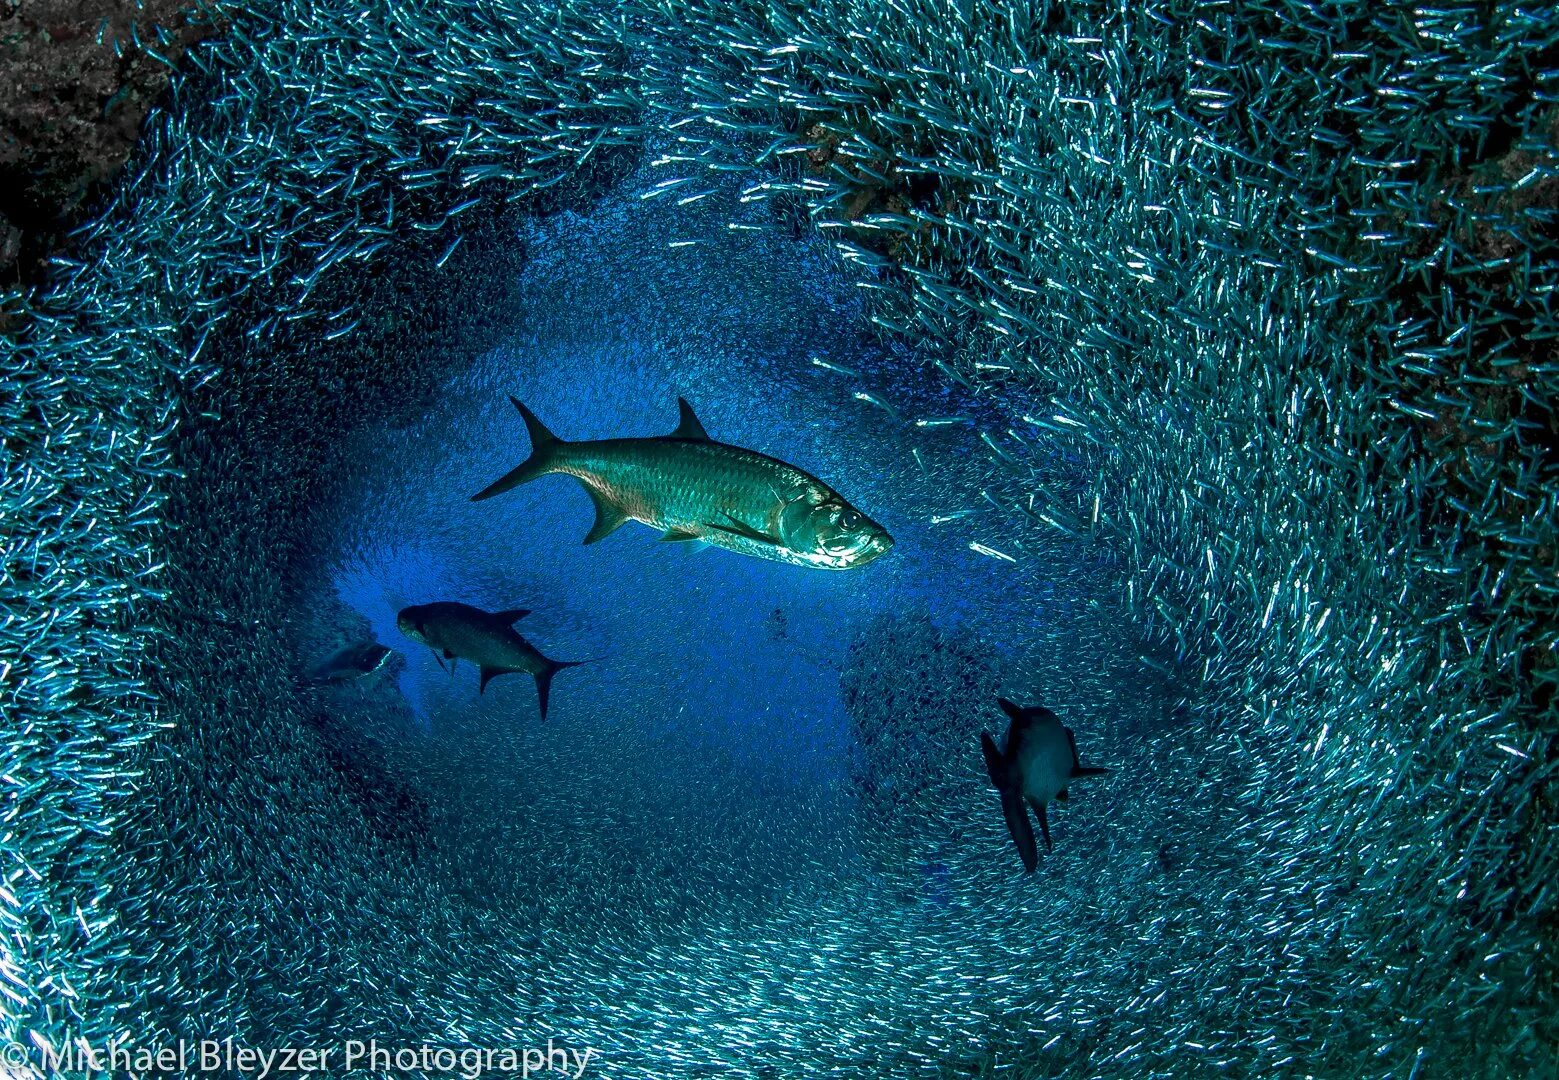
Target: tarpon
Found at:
x=486, y=639
x=350, y=662
x=1036, y=763
x=693, y=488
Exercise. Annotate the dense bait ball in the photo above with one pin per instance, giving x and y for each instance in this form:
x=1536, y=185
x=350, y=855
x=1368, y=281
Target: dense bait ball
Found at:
x=1197, y=359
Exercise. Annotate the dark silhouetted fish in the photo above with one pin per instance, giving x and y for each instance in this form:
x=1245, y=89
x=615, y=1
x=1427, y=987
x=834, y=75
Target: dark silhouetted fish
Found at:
x=487, y=639
x=351, y=662
x=1035, y=764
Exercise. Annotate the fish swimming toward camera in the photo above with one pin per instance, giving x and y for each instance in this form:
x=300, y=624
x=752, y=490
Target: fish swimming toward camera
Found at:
x=1035, y=764
x=487, y=639
x=351, y=662
x=693, y=488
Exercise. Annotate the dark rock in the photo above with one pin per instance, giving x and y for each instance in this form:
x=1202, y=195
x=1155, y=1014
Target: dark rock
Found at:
x=76, y=90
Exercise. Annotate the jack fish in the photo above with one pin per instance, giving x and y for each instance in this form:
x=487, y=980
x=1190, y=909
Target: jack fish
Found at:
x=693, y=488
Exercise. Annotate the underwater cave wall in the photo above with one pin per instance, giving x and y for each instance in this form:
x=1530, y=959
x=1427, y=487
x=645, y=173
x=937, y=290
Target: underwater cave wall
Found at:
x=1281, y=275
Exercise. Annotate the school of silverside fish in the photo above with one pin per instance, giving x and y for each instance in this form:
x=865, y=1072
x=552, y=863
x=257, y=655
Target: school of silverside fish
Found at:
x=1280, y=274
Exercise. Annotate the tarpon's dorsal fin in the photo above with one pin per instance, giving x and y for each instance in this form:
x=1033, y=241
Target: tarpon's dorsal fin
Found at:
x=512, y=616
x=488, y=675
x=609, y=517
x=688, y=426
x=674, y=536
x=742, y=529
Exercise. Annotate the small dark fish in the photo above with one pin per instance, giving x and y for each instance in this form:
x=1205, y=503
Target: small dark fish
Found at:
x=1036, y=763
x=351, y=662
x=487, y=639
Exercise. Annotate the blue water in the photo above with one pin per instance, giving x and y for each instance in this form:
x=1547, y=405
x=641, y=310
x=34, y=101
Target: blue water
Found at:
x=737, y=653
x=697, y=777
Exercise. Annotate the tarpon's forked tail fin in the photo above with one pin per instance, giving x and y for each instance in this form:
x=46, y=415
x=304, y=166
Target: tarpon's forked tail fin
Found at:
x=1001, y=772
x=544, y=680
x=543, y=445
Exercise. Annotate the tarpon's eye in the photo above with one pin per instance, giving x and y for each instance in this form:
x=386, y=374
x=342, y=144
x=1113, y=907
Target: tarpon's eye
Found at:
x=849, y=519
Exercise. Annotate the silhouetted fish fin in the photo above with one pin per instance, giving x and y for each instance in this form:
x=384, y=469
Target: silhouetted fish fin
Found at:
x=995, y=764
x=1044, y=821
x=1061, y=796
x=489, y=674
x=609, y=517
x=738, y=528
x=1019, y=826
x=543, y=444
x=1014, y=712
x=688, y=426
x=673, y=536
x=511, y=616
x=1078, y=768
x=544, y=680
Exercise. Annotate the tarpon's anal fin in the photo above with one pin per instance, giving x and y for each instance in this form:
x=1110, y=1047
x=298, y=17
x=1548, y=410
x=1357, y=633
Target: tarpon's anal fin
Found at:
x=738, y=528
x=609, y=517
x=1021, y=829
x=688, y=426
x=488, y=675
x=512, y=616
x=676, y=536
x=1044, y=821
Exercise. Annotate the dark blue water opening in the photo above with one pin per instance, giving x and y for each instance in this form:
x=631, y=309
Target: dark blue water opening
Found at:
x=716, y=698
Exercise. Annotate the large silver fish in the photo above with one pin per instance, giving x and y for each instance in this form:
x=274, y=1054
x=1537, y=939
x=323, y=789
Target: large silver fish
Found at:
x=693, y=488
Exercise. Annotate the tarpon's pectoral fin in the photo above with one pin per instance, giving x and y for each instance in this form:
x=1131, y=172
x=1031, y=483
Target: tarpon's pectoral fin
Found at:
x=609, y=517
x=437, y=657
x=688, y=426
x=1014, y=712
x=747, y=532
x=1019, y=826
x=1083, y=770
x=1061, y=796
x=994, y=765
x=1044, y=821
x=676, y=536
x=512, y=616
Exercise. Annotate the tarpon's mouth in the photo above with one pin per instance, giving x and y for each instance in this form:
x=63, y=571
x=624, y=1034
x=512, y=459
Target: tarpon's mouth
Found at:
x=869, y=548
